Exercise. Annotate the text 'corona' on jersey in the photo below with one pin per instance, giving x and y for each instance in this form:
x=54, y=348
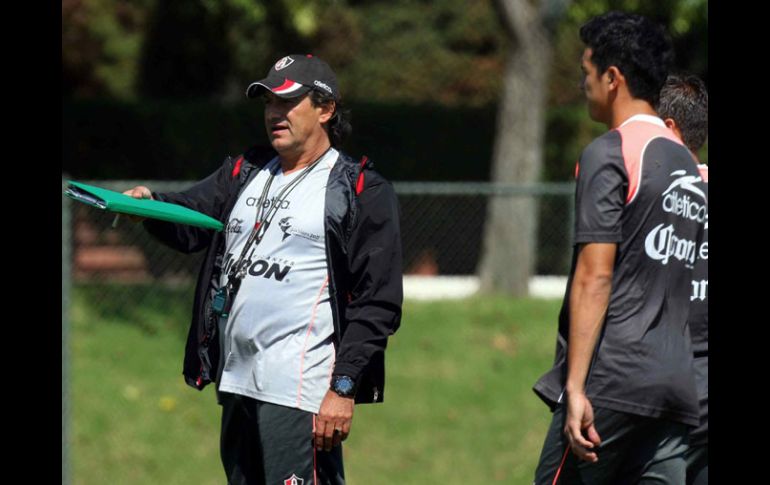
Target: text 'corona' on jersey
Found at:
x=661, y=244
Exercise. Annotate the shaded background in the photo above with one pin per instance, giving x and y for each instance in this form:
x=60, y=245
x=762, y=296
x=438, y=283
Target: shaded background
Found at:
x=154, y=89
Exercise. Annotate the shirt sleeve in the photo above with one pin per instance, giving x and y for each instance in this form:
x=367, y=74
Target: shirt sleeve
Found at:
x=206, y=196
x=600, y=194
x=376, y=288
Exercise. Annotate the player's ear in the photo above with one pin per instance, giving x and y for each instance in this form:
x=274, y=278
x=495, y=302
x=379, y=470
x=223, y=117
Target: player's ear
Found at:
x=327, y=111
x=613, y=77
x=671, y=124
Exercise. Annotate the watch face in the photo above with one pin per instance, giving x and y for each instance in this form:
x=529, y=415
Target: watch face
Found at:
x=343, y=385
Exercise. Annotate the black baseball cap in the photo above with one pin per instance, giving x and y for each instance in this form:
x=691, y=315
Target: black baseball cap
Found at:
x=295, y=75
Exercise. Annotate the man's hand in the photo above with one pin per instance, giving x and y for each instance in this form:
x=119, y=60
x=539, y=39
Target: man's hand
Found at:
x=332, y=424
x=138, y=192
x=580, y=416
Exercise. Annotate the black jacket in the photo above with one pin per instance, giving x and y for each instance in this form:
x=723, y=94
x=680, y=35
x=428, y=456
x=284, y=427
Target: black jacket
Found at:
x=363, y=250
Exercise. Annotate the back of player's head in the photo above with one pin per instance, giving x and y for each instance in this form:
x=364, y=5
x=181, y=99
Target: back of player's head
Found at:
x=685, y=100
x=638, y=47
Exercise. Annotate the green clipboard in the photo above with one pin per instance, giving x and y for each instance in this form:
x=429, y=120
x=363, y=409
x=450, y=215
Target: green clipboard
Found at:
x=116, y=202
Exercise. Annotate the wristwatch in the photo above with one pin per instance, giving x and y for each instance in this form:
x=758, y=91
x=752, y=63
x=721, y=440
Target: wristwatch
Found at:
x=344, y=386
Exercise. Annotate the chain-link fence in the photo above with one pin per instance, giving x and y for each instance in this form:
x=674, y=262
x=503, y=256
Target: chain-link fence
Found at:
x=442, y=234
x=442, y=228
x=442, y=224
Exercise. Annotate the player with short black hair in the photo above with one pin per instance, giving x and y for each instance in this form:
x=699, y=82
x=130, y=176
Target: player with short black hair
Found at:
x=622, y=387
x=639, y=48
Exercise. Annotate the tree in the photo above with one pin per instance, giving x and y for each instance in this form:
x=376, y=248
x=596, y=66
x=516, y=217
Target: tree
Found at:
x=510, y=232
x=101, y=42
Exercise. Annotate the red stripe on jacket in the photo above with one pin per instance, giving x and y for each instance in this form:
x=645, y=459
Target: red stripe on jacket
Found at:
x=237, y=168
x=360, y=181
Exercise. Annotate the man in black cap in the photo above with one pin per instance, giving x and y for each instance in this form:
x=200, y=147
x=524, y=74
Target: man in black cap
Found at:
x=296, y=299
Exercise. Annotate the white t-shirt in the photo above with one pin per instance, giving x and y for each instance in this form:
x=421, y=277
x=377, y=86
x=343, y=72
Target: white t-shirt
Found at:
x=277, y=342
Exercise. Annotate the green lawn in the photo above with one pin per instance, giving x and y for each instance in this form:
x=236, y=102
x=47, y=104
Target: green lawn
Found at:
x=458, y=403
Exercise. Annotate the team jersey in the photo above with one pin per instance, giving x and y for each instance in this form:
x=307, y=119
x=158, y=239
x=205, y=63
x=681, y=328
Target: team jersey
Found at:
x=699, y=329
x=637, y=186
x=277, y=343
x=699, y=311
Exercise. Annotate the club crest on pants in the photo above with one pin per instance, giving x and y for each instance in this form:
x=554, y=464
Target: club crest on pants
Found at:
x=294, y=480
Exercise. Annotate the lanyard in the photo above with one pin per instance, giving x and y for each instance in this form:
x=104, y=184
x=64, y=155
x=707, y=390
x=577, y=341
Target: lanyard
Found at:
x=264, y=217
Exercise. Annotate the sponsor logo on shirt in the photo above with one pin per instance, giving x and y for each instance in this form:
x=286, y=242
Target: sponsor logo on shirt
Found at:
x=692, y=206
x=686, y=182
x=682, y=205
x=235, y=226
x=285, y=225
x=661, y=244
x=686, y=200
x=268, y=268
x=282, y=204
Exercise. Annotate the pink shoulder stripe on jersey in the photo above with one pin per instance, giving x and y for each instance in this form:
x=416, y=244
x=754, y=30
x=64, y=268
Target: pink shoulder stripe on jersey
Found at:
x=307, y=337
x=704, y=172
x=635, y=136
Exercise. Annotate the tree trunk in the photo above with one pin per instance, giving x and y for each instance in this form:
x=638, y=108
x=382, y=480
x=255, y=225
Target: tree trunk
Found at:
x=509, y=252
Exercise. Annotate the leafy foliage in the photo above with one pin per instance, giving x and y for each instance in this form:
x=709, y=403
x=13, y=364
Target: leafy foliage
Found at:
x=101, y=44
x=403, y=53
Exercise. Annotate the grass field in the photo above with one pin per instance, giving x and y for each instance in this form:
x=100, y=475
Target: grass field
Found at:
x=458, y=402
